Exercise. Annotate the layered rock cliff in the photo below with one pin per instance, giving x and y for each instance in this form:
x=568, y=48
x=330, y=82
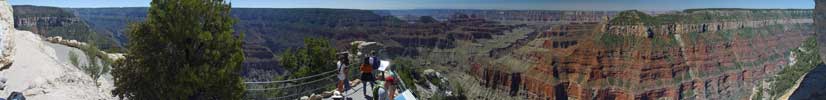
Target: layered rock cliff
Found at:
x=54, y=21
x=635, y=23
x=684, y=59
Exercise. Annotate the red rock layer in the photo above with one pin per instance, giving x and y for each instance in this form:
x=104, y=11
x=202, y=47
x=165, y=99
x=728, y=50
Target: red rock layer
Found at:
x=699, y=69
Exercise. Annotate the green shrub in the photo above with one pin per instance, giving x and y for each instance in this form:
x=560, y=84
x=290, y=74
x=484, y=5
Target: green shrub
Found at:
x=73, y=58
x=404, y=69
x=92, y=68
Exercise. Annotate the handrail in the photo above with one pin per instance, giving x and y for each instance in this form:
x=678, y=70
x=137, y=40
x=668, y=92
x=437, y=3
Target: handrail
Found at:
x=316, y=82
x=297, y=94
x=290, y=80
x=291, y=86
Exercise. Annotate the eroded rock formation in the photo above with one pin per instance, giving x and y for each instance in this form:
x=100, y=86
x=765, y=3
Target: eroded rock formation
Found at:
x=664, y=30
x=708, y=60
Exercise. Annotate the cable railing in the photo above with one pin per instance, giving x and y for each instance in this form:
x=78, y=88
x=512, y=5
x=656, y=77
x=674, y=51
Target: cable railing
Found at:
x=291, y=88
x=292, y=80
x=303, y=86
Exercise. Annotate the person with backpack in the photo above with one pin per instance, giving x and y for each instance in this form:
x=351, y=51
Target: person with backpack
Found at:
x=375, y=62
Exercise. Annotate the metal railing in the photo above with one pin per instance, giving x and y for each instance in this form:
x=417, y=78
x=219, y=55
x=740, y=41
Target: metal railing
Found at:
x=291, y=88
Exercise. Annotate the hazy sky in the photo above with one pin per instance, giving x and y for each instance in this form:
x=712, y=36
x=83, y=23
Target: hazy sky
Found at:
x=459, y=4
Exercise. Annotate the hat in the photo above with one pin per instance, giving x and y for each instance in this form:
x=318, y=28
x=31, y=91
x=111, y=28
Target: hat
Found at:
x=389, y=79
x=388, y=76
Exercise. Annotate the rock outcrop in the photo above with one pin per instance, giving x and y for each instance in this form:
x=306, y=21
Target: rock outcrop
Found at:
x=68, y=42
x=46, y=20
x=6, y=28
x=54, y=21
x=39, y=69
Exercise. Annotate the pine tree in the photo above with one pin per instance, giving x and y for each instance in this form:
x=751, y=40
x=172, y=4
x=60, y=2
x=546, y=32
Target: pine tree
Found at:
x=185, y=49
x=316, y=57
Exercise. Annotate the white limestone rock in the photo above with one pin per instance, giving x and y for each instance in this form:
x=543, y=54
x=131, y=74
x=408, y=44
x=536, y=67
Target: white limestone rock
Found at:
x=37, y=70
x=6, y=28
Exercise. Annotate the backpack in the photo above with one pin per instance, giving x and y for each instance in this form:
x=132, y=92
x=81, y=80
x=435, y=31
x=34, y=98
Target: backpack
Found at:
x=376, y=62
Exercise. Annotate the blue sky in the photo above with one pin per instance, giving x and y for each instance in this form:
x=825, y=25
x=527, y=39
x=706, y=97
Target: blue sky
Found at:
x=459, y=4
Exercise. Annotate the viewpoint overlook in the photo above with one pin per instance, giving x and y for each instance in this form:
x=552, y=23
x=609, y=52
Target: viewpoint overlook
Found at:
x=401, y=50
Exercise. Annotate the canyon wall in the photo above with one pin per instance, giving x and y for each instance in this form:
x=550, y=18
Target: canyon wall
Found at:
x=665, y=30
x=704, y=60
x=44, y=20
x=54, y=21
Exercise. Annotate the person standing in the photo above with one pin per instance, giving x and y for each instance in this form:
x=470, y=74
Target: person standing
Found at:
x=344, y=60
x=366, y=75
x=382, y=94
x=374, y=64
x=389, y=83
x=342, y=78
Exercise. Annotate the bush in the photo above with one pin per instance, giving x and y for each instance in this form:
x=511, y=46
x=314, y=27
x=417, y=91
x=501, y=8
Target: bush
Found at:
x=97, y=62
x=316, y=57
x=458, y=92
x=92, y=68
x=405, y=70
x=73, y=59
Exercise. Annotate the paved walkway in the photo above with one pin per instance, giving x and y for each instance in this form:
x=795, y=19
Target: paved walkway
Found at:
x=356, y=92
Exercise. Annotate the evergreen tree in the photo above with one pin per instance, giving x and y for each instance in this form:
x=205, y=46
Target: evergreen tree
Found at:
x=316, y=57
x=185, y=49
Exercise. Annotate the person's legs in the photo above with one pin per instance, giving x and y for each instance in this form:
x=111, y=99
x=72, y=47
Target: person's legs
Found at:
x=346, y=84
x=372, y=81
x=364, y=88
x=340, y=86
x=364, y=84
x=373, y=78
x=344, y=89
